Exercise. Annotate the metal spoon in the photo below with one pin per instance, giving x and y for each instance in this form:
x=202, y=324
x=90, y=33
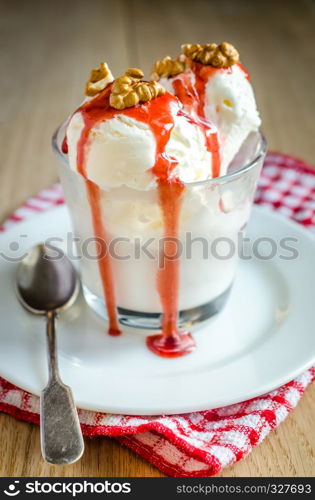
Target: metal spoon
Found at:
x=46, y=283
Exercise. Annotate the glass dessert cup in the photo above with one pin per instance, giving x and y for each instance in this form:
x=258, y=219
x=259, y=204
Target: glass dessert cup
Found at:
x=199, y=264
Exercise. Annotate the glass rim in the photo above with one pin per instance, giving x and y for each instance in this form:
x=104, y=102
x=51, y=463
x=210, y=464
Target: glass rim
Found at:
x=213, y=181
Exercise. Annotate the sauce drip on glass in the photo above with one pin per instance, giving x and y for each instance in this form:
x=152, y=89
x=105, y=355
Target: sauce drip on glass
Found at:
x=91, y=117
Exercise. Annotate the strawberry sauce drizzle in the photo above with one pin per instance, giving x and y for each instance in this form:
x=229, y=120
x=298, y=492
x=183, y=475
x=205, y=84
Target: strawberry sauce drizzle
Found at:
x=64, y=146
x=193, y=97
x=157, y=115
x=94, y=197
x=247, y=75
x=171, y=343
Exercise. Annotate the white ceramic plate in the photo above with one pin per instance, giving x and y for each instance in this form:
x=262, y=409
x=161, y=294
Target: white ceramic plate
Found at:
x=262, y=339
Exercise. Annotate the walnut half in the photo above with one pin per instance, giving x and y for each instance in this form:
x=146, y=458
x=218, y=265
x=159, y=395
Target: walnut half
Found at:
x=166, y=68
x=218, y=56
x=99, y=79
x=129, y=90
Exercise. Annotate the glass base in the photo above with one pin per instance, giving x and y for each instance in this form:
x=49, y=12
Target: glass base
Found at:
x=152, y=321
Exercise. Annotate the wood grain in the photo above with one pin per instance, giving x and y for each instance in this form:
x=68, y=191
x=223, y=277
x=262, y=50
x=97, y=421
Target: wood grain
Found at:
x=47, y=50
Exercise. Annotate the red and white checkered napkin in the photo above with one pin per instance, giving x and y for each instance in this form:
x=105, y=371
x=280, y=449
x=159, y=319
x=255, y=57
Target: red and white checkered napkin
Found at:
x=200, y=443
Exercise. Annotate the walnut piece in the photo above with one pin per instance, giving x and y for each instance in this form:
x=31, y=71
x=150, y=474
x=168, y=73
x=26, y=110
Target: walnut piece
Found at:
x=167, y=67
x=99, y=79
x=129, y=90
x=219, y=56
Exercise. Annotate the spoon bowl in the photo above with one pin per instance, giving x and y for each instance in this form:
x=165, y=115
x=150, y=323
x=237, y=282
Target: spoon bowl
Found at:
x=46, y=283
x=46, y=280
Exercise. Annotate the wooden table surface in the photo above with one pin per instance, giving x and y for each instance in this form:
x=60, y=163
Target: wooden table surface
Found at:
x=47, y=51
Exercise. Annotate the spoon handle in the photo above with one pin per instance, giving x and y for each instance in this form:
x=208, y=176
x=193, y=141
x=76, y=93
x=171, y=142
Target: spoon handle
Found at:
x=61, y=437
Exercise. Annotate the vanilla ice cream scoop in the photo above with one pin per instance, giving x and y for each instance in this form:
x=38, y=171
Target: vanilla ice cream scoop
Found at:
x=230, y=104
x=223, y=95
x=122, y=149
